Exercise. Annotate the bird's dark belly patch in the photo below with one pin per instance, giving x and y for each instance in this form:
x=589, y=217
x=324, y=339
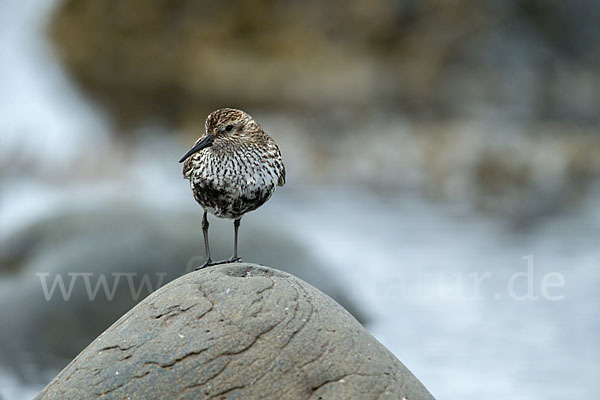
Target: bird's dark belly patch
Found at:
x=230, y=202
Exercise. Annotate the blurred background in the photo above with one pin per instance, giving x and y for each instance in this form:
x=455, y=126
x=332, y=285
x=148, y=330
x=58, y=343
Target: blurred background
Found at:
x=427, y=143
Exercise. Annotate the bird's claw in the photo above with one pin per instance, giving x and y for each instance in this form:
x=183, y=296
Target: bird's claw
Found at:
x=210, y=263
x=207, y=263
x=227, y=261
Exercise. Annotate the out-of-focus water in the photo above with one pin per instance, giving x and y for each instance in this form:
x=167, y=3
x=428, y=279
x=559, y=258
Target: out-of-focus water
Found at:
x=11, y=387
x=412, y=264
x=40, y=112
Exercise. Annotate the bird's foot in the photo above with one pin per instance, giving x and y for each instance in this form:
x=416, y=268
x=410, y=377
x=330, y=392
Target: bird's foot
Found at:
x=207, y=263
x=210, y=263
x=227, y=261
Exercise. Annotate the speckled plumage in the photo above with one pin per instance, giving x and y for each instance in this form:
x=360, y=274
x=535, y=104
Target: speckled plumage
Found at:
x=239, y=172
x=234, y=168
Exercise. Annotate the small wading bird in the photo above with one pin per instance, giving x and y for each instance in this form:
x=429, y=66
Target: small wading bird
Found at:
x=233, y=169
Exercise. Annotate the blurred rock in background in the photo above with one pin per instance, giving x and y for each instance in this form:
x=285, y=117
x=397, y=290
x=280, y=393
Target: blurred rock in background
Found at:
x=176, y=60
x=494, y=103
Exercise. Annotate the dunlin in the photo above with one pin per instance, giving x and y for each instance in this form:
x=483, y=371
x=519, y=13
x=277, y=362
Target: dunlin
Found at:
x=233, y=169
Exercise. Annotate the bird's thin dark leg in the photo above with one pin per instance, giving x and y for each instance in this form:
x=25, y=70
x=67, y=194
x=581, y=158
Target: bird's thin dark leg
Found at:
x=234, y=258
x=206, y=246
x=205, y=234
x=236, y=226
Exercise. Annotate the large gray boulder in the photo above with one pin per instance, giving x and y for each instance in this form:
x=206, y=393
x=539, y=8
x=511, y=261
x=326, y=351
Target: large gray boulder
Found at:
x=236, y=331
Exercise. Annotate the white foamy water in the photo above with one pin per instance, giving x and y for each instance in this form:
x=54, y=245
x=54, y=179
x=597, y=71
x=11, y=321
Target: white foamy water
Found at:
x=41, y=115
x=12, y=388
x=411, y=265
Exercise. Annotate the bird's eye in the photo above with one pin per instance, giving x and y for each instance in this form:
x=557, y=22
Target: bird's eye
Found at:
x=228, y=128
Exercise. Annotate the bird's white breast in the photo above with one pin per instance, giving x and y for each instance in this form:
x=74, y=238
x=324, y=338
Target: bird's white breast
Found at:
x=242, y=181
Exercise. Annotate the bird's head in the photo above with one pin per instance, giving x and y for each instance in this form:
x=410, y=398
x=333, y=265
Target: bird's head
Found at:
x=224, y=128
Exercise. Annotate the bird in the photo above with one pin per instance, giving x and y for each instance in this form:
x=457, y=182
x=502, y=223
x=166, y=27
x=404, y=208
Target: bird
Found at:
x=232, y=169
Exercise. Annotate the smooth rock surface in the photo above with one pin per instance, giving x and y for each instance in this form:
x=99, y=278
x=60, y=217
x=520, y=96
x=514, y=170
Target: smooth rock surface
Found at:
x=236, y=331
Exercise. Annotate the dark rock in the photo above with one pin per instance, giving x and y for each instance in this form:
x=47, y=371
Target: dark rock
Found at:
x=236, y=331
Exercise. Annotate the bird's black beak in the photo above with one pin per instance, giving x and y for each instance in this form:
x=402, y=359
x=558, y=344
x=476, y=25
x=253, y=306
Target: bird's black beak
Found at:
x=205, y=142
